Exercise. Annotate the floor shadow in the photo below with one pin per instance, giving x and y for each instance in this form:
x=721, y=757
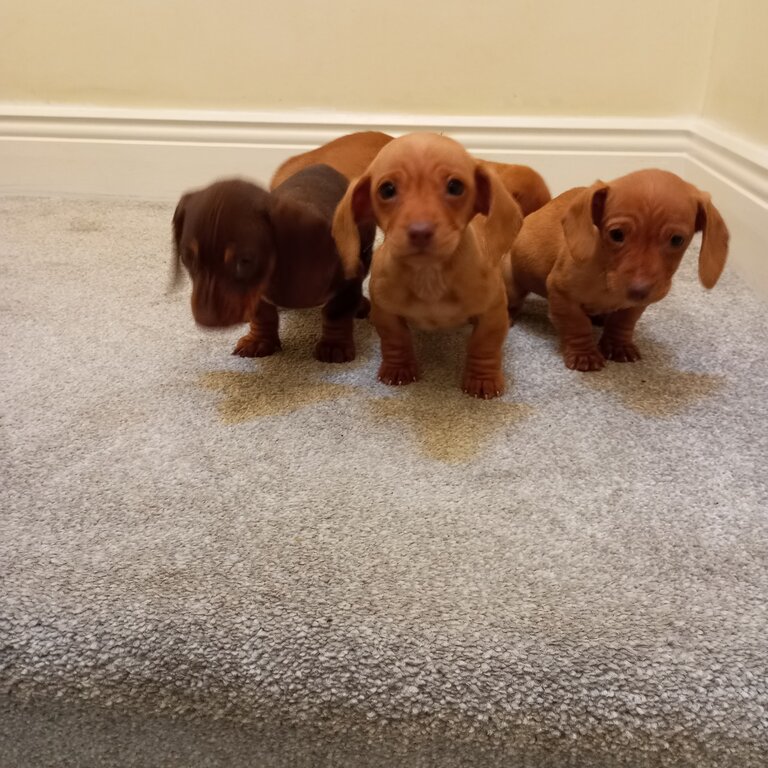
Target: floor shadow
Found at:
x=300, y=330
x=250, y=396
x=533, y=318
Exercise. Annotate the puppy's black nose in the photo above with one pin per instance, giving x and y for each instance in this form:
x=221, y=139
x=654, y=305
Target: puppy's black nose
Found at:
x=639, y=290
x=420, y=233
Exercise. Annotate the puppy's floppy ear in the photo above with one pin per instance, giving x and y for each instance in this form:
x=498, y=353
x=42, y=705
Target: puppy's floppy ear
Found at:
x=354, y=209
x=178, y=226
x=581, y=222
x=503, y=215
x=714, y=243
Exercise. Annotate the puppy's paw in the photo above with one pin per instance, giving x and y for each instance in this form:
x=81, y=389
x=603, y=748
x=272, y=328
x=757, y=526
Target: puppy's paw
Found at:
x=579, y=360
x=363, y=308
x=334, y=351
x=484, y=386
x=619, y=351
x=395, y=375
x=255, y=346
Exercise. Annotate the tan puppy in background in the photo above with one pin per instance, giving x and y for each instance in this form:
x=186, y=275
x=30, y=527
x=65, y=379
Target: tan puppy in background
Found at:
x=350, y=155
x=611, y=250
x=447, y=221
x=524, y=184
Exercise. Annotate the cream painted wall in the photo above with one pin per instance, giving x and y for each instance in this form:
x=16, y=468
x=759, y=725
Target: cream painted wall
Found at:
x=494, y=57
x=737, y=87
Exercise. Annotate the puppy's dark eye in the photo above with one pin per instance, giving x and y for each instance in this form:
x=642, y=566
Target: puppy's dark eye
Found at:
x=454, y=187
x=616, y=234
x=677, y=241
x=387, y=190
x=245, y=266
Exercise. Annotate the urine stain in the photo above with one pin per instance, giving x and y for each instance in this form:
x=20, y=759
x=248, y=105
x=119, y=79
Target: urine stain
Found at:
x=85, y=225
x=655, y=391
x=448, y=425
x=248, y=396
x=654, y=386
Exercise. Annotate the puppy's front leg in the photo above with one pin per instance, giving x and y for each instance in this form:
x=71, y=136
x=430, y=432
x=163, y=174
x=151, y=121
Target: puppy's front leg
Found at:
x=337, y=344
x=575, y=330
x=483, y=376
x=398, y=360
x=262, y=339
x=616, y=342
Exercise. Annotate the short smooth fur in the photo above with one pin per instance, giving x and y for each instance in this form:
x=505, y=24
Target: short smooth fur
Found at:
x=249, y=251
x=608, y=251
x=447, y=220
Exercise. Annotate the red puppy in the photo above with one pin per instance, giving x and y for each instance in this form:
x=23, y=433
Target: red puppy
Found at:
x=611, y=250
x=447, y=220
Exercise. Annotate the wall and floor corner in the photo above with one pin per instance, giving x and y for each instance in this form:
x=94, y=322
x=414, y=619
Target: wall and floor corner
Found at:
x=146, y=101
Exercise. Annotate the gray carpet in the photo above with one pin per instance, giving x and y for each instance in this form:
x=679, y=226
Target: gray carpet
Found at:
x=210, y=561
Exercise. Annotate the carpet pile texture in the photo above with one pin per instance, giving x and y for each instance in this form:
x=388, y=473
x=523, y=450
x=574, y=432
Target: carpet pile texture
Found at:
x=212, y=561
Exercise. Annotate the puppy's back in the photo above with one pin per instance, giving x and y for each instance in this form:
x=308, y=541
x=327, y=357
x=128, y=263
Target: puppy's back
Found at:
x=319, y=187
x=350, y=155
x=539, y=243
x=524, y=184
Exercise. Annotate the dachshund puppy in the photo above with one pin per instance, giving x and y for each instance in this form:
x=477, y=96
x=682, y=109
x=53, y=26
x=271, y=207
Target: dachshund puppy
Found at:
x=249, y=251
x=524, y=184
x=350, y=155
x=447, y=221
x=608, y=251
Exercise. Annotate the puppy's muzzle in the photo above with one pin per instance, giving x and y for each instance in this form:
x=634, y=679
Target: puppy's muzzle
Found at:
x=421, y=233
x=211, y=317
x=215, y=306
x=639, y=290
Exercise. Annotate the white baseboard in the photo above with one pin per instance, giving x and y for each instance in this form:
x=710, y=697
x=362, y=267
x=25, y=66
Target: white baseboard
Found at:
x=735, y=173
x=157, y=154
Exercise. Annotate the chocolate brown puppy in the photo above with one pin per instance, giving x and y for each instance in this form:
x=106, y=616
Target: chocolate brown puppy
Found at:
x=249, y=251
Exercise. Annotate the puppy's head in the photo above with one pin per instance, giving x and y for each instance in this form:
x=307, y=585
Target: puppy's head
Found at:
x=422, y=189
x=639, y=226
x=224, y=238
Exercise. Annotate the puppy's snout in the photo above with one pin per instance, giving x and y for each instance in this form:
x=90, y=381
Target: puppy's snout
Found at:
x=639, y=290
x=206, y=317
x=214, y=310
x=420, y=233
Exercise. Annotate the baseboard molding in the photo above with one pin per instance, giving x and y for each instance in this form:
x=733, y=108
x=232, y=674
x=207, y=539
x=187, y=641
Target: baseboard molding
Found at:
x=735, y=173
x=156, y=154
